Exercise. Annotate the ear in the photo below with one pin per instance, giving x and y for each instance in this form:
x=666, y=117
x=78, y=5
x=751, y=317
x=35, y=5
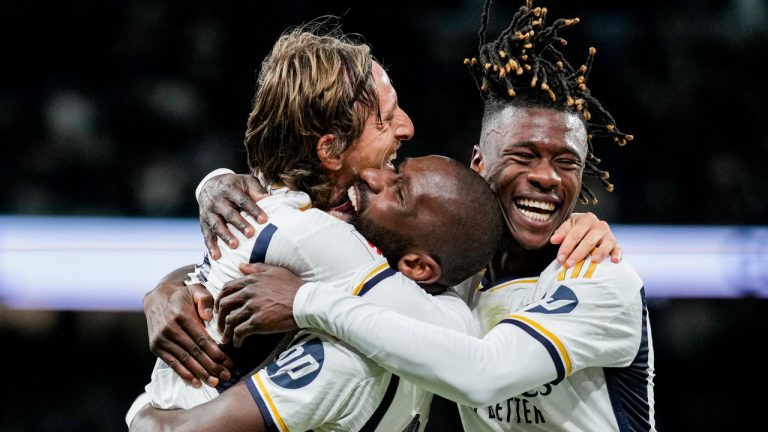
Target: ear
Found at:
x=420, y=267
x=477, y=163
x=329, y=161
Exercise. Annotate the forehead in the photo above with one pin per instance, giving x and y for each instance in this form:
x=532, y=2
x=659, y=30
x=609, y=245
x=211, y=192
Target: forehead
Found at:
x=384, y=89
x=559, y=130
x=428, y=178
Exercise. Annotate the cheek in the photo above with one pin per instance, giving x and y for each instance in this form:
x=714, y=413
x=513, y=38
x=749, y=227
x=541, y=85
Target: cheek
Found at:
x=504, y=180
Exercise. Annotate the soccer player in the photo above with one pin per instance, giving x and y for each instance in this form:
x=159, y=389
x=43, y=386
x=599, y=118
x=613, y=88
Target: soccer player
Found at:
x=566, y=348
x=356, y=124
x=332, y=167
x=317, y=383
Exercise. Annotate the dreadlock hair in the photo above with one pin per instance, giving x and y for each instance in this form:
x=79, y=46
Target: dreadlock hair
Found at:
x=523, y=67
x=315, y=81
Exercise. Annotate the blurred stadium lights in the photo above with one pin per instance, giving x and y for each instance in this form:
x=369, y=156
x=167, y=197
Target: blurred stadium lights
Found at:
x=94, y=263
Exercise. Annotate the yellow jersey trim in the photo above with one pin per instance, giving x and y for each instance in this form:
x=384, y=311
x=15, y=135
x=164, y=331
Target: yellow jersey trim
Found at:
x=560, y=347
x=369, y=276
x=276, y=415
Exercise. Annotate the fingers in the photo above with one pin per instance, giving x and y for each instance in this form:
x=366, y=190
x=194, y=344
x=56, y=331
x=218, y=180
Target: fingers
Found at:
x=252, y=268
x=210, y=242
x=572, y=239
x=200, y=354
x=587, y=245
x=184, y=363
x=604, y=246
x=179, y=368
x=243, y=330
x=213, y=227
x=232, y=215
x=232, y=321
x=256, y=192
x=203, y=301
x=616, y=255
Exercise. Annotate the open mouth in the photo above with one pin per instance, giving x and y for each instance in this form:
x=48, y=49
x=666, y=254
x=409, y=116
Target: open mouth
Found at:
x=535, y=210
x=391, y=163
x=354, y=197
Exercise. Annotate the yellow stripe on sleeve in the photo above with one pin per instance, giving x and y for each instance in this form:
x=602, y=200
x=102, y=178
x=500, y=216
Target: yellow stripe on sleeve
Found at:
x=561, y=274
x=368, y=277
x=590, y=270
x=552, y=337
x=268, y=399
x=577, y=269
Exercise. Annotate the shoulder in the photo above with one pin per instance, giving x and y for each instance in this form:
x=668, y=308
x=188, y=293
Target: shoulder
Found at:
x=606, y=285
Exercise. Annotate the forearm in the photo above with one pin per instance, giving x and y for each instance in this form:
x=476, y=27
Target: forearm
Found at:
x=466, y=369
x=217, y=414
x=155, y=420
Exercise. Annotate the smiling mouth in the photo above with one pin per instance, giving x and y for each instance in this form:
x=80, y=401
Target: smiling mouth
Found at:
x=539, y=211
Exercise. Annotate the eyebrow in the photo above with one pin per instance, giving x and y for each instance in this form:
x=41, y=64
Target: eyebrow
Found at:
x=530, y=145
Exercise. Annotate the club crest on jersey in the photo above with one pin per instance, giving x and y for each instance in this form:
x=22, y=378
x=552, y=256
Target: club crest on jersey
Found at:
x=563, y=300
x=298, y=365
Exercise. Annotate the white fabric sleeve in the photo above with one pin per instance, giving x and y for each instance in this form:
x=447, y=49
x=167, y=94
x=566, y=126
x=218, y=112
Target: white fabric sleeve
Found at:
x=212, y=174
x=517, y=355
x=460, y=367
x=446, y=310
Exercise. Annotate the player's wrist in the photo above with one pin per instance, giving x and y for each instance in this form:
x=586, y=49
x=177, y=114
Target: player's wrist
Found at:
x=215, y=173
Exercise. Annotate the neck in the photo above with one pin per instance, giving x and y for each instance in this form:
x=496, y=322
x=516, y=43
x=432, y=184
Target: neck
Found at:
x=513, y=260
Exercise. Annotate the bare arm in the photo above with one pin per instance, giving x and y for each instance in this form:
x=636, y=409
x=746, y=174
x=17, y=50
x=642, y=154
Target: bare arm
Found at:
x=233, y=411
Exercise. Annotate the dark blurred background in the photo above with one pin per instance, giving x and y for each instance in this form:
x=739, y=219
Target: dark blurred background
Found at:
x=118, y=108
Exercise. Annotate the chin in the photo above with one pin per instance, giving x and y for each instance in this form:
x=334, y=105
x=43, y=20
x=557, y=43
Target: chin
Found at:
x=533, y=241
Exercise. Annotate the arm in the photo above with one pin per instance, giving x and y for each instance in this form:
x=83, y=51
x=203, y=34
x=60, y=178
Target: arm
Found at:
x=217, y=414
x=530, y=347
x=262, y=302
x=315, y=382
x=175, y=311
x=177, y=335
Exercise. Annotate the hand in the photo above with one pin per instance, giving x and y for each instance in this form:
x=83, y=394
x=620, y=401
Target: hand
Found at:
x=581, y=234
x=259, y=302
x=221, y=200
x=177, y=335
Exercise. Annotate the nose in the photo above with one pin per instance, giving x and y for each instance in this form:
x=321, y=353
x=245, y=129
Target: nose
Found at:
x=404, y=126
x=544, y=176
x=378, y=179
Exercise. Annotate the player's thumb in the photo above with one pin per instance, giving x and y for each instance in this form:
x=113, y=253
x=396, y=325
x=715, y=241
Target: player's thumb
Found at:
x=204, y=302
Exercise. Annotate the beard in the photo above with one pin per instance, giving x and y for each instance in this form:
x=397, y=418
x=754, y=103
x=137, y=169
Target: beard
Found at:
x=392, y=245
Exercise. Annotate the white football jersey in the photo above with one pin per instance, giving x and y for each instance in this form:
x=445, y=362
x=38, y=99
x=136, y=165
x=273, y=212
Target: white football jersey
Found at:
x=336, y=389
x=566, y=350
x=557, y=308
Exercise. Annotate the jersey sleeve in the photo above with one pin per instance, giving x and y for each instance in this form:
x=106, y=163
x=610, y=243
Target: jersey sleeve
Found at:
x=393, y=290
x=317, y=382
x=508, y=361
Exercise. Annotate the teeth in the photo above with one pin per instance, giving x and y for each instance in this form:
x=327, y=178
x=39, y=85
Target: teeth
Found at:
x=352, y=194
x=535, y=216
x=393, y=157
x=536, y=204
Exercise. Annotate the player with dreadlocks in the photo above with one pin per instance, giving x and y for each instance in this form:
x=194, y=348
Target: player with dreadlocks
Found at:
x=566, y=348
x=525, y=58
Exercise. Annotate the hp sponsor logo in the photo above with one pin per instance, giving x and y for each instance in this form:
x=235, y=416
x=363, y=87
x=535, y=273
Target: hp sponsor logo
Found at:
x=299, y=365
